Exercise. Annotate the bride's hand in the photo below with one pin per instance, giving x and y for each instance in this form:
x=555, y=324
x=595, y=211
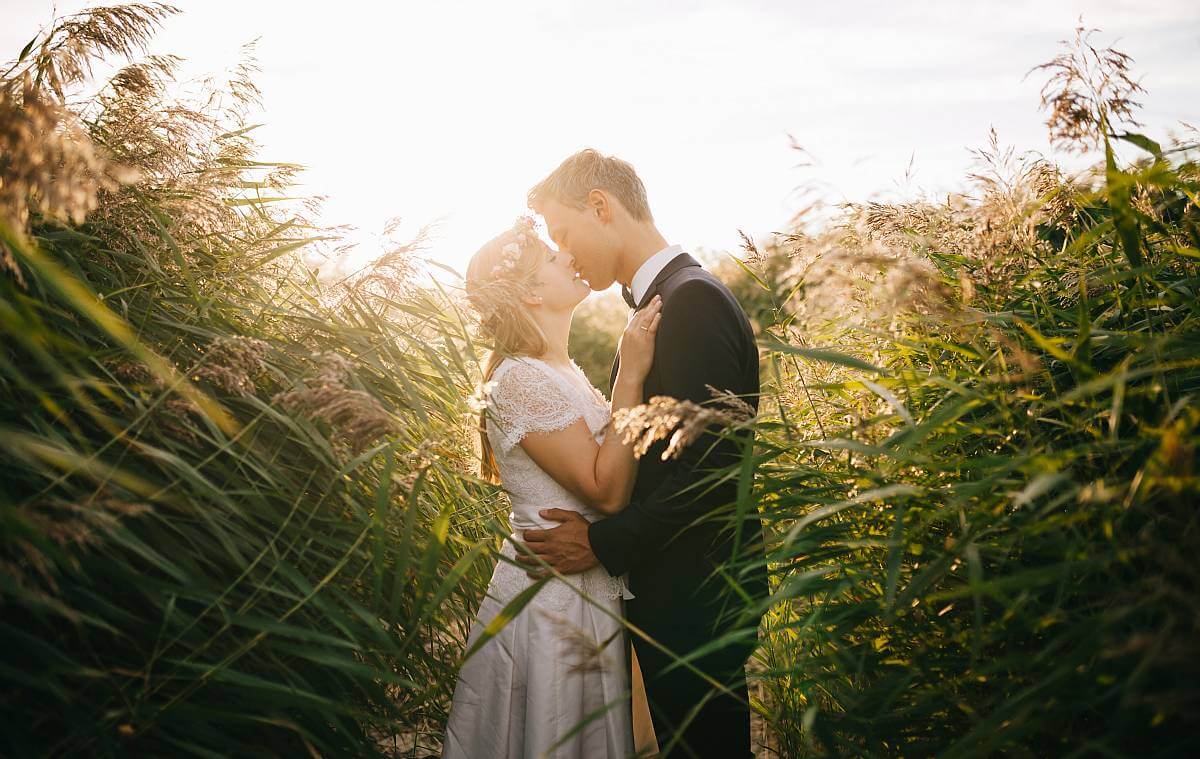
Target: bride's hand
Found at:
x=636, y=348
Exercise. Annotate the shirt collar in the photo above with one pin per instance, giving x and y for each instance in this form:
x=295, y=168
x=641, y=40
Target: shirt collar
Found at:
x=649, y=270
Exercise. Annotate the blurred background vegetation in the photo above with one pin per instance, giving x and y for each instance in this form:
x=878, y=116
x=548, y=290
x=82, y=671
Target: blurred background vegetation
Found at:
x=239, y=508
x=598, y=323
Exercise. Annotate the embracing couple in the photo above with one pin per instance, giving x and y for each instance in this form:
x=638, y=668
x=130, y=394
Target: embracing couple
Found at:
x=626, y=561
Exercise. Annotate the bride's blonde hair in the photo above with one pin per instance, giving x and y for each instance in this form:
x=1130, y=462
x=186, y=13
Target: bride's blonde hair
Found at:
x=498, y=275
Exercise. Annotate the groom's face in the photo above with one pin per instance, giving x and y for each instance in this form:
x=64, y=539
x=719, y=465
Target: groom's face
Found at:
x=580, y=234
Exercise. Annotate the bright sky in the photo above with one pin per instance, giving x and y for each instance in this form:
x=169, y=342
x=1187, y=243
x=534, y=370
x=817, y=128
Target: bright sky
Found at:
x=450, y=110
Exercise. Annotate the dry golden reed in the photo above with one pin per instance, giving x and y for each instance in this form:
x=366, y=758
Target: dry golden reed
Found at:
x=1088, y=94
x=75, y=525
x=355, y=417
x=583, y=652
x=682, y=420
x=232, y=362
x=49, y=165
x=390, y=274
x=878, y=263
x=875, y=264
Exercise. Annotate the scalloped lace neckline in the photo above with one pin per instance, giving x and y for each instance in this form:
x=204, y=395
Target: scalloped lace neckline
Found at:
x=576, y=387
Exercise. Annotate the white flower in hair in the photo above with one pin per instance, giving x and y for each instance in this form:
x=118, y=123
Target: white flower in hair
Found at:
x=523, y=227
x=509, y=256
x=510, y=253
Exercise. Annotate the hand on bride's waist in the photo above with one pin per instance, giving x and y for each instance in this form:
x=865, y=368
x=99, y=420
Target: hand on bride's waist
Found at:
x=530, y=518
x=565, y=547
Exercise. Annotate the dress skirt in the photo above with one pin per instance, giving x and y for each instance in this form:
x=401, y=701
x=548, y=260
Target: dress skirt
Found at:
x=554, y=681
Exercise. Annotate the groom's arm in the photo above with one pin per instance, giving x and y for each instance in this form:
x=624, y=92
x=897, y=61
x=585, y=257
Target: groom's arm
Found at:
x=699, y=344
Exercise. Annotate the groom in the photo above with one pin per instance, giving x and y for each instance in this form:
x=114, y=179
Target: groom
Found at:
x=596, y=210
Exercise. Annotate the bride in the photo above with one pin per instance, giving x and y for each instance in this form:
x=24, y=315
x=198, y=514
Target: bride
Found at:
x=555, y=680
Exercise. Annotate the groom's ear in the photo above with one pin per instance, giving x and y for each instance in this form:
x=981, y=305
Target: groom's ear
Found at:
x=599, y=205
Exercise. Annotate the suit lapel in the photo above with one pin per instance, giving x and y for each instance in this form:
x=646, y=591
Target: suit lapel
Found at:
x=681, y=261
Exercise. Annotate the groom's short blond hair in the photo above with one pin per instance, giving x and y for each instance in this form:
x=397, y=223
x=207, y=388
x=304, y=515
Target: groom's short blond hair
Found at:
x=589, y=170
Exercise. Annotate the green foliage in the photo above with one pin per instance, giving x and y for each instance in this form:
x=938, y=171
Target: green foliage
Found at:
x=227, y=486
x=984, y=502
x=595, y=331
x=761, y=281
x=237, y=511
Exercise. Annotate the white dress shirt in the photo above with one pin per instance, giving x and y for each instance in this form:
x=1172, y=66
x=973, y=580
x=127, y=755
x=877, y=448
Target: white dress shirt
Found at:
x=650, y=269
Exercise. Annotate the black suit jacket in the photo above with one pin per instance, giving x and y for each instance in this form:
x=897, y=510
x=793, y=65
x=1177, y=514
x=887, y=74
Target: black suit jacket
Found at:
x=704, y=338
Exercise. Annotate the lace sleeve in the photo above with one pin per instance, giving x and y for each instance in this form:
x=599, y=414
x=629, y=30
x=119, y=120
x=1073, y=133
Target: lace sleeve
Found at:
x=525, y=399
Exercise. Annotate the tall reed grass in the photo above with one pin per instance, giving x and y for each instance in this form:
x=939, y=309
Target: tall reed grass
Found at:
x=239, y=514
x=981, y=465
x=228, y=486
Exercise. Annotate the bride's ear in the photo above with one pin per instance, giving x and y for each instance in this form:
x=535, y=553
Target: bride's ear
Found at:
x=598, y=204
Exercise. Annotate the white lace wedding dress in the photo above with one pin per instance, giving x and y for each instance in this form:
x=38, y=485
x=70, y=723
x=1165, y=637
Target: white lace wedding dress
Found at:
x=561, y=660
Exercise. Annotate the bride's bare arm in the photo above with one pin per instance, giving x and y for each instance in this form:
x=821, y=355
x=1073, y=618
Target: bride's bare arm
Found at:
x=602, y=475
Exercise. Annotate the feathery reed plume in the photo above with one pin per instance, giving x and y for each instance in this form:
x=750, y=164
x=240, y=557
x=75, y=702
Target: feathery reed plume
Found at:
x=584, y=653
x=135, y=373
x=356, y=418
x=884, y=261
x=1057, y=195
x=177, y=416
x=389, y=274
x=1088, y=93
x=1021, y=366
x=66, y=524
x=49, y=165
x=684, y=420
x=754, y=257
x=232, y=362
x=735, y=403
x=64, y=57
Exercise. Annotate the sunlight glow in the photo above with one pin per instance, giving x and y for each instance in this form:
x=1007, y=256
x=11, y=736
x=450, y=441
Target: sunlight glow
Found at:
x=449, y=111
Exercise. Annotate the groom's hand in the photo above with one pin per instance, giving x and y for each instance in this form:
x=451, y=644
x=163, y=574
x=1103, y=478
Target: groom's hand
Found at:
x=566, y=547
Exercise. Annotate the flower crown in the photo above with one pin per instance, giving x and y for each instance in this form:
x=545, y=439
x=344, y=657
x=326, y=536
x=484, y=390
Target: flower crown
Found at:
x=510, y=254
x=503, y=286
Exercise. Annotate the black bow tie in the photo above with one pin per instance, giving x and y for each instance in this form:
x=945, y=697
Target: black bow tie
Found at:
x=628, y=296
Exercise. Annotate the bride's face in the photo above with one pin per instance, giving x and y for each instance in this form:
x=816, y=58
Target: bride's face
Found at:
x=559, y=286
